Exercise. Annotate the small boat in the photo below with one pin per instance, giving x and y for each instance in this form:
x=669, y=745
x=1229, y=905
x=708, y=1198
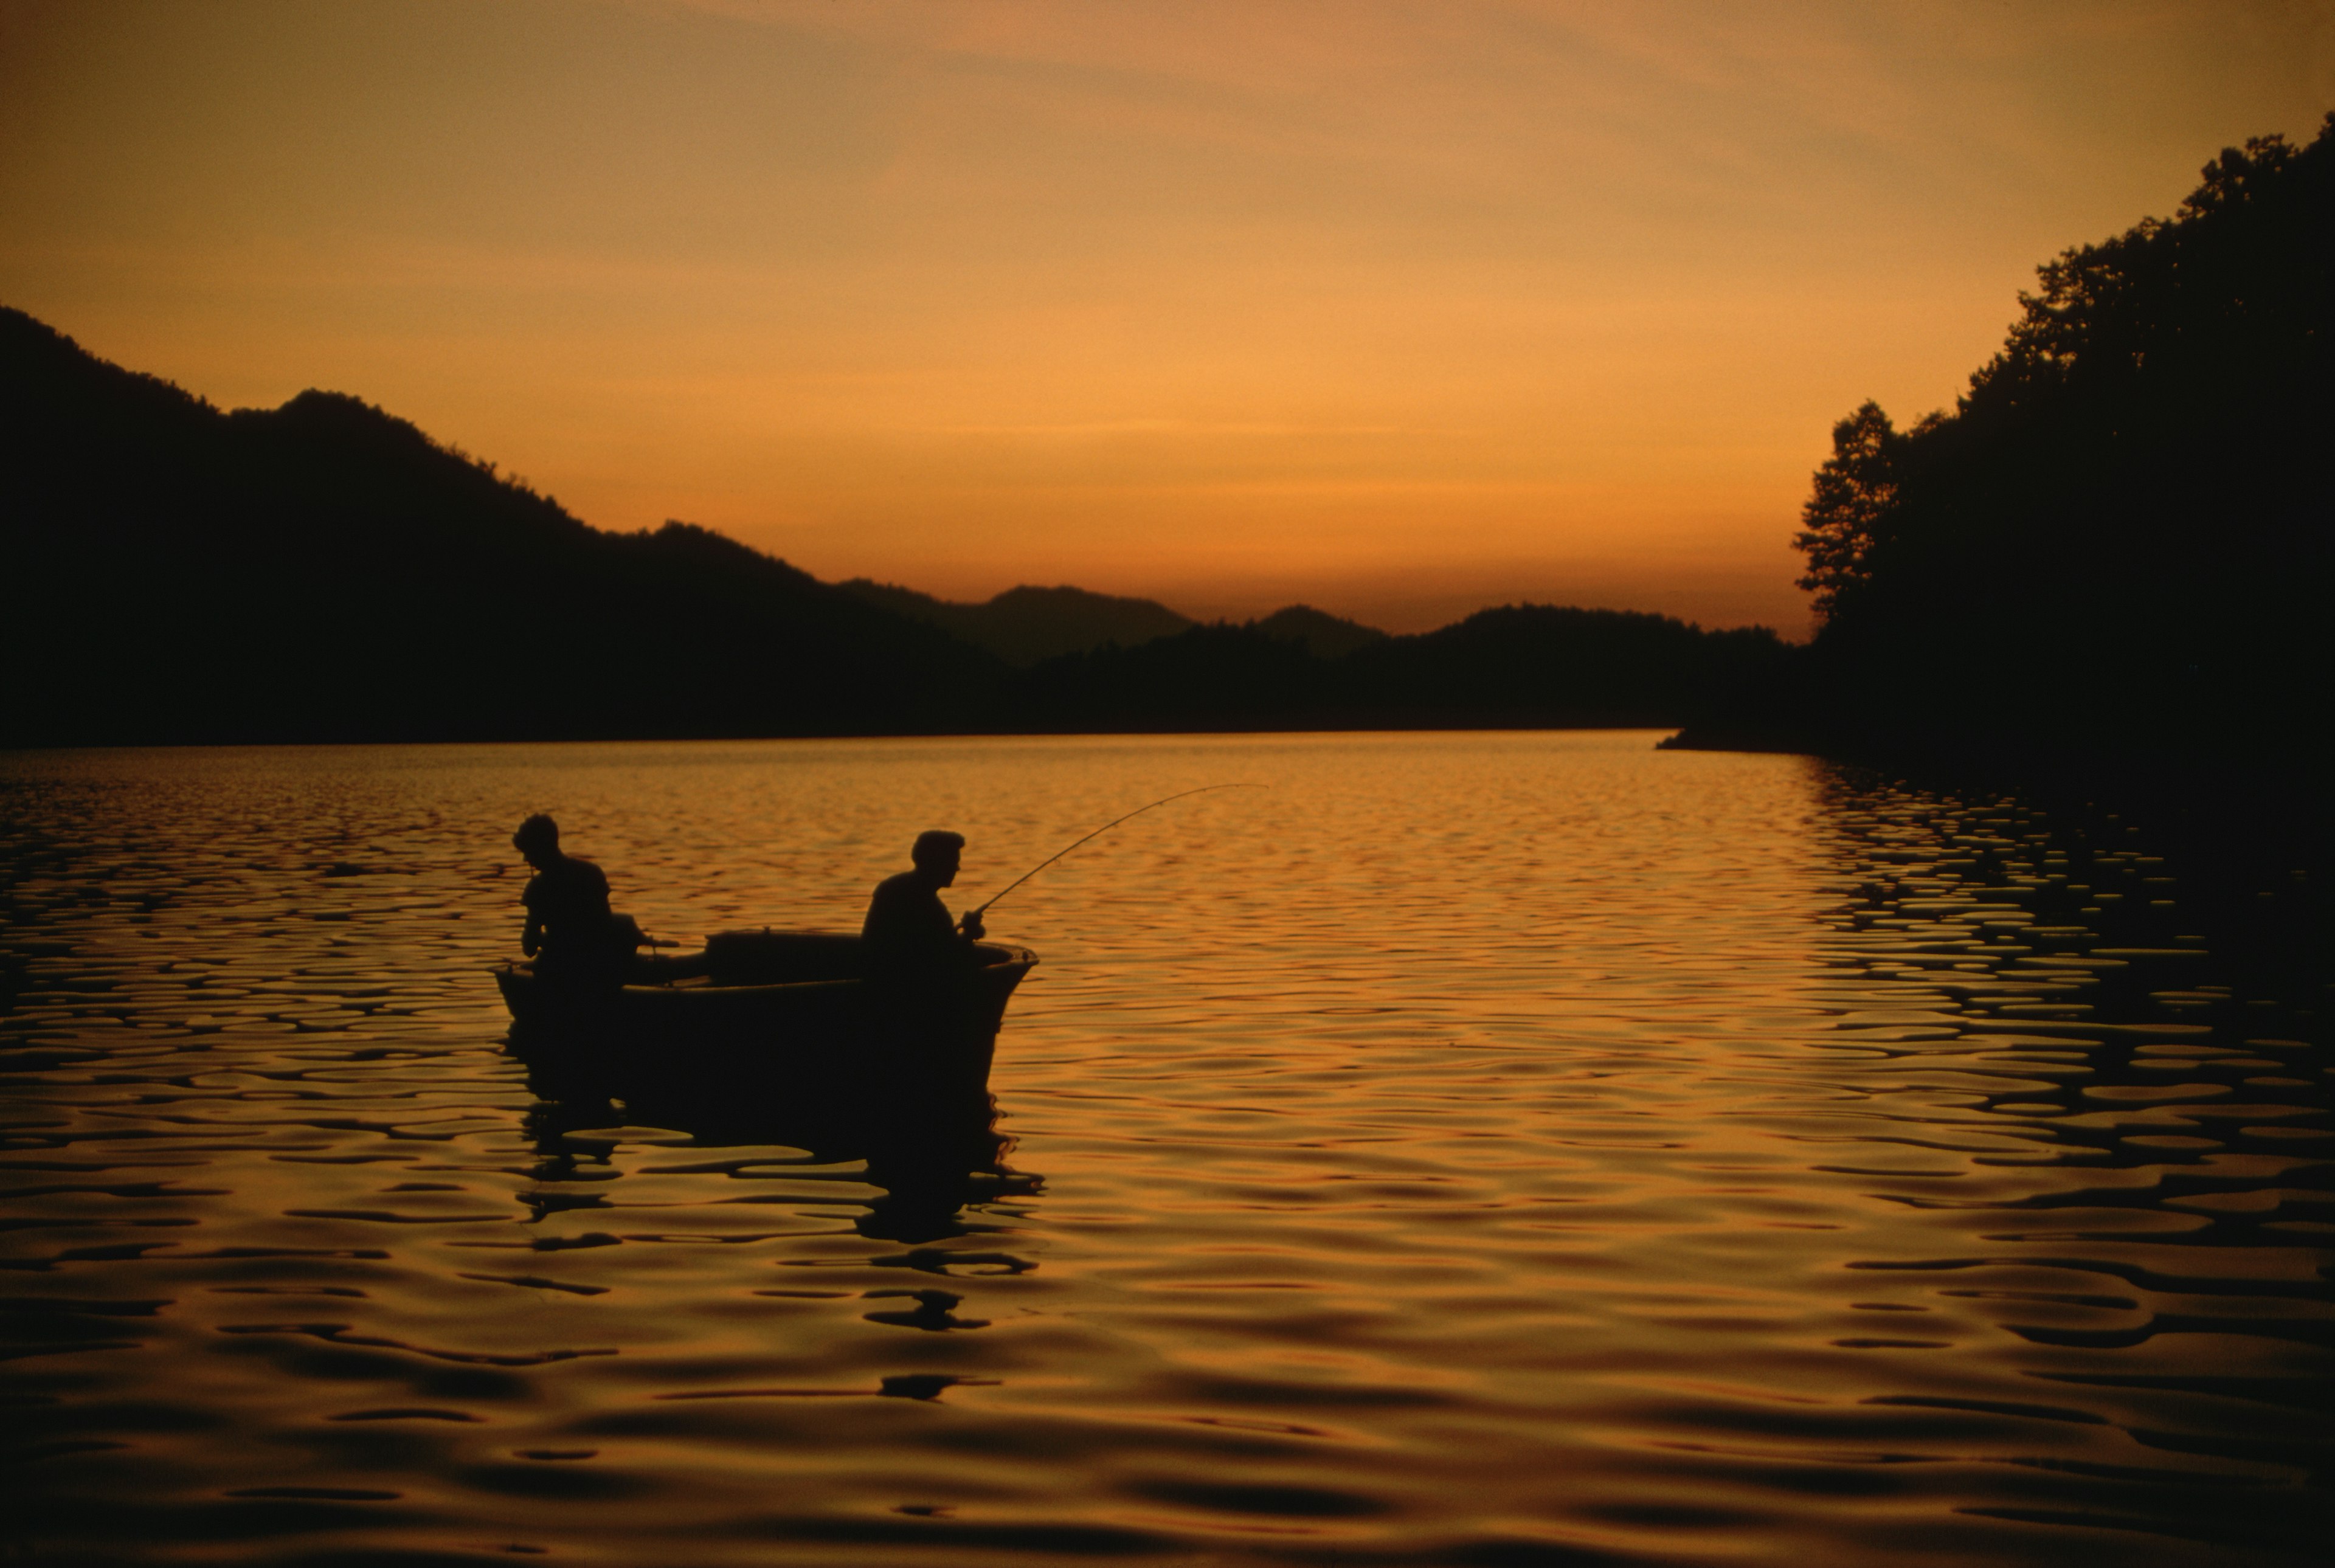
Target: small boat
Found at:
x=758, y=1010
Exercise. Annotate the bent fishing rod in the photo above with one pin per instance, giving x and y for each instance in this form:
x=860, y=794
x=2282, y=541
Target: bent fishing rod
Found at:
x=1098, y=833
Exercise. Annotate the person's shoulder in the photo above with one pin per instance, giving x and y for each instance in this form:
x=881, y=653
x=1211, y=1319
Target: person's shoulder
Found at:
x=564, y=881
x=900, y=884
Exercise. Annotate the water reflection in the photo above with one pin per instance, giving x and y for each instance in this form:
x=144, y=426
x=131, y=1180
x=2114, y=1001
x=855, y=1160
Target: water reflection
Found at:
x=928, y=1152
x=1474, y=1148
x=2148, y=1057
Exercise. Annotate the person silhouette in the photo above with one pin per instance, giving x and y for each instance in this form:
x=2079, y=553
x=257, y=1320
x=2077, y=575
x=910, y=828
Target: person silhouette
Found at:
x=908, y=928
x=570, y=931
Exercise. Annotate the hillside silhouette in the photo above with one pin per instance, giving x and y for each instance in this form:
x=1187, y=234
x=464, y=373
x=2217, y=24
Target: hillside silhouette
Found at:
x=1519, y=666
x=326, y=572
x=1319, y=632
x=1025, y=625
x=2117, y=544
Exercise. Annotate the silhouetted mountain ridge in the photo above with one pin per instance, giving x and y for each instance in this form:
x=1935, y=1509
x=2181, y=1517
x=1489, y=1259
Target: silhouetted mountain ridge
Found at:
x=1323, y=635
x=1515, y=667
x=1026, y=624
x=326, y=571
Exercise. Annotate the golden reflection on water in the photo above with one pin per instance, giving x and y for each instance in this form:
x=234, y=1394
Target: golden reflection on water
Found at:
x=1505, y=1148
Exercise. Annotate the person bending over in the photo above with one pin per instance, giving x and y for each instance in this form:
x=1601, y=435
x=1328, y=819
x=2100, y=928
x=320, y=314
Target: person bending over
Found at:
x=570, y=931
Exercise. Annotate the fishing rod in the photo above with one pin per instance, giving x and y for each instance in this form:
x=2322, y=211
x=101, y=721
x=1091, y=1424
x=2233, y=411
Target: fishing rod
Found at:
x=1098, y=833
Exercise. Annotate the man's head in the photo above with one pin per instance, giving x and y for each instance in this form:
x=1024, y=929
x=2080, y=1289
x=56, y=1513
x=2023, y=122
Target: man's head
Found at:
x=936, y=854
x=538, y=839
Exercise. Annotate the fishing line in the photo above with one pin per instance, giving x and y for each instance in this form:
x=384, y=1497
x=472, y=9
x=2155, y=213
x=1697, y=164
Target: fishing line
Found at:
x=1098, y=833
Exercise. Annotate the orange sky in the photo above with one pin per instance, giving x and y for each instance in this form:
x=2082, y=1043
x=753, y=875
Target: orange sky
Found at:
x=1400, y=309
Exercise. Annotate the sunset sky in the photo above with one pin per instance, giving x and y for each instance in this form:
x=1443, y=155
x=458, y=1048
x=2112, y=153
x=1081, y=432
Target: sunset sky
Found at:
x=1396, y=308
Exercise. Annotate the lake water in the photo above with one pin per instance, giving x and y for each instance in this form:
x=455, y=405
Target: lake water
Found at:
x=1495, y=1149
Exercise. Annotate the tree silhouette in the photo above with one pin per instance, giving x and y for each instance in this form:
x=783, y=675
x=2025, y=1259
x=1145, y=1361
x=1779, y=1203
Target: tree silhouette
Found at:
x=2119, y=538
x=1853, y=493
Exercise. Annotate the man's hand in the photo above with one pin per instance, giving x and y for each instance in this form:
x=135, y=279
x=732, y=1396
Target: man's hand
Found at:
x=972, y=926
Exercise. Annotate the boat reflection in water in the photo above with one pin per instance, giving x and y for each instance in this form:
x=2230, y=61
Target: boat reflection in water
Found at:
x=781, y=1037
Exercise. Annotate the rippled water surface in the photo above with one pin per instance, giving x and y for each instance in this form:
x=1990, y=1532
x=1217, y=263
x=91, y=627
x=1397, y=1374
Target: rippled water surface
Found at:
x=1491, y=1149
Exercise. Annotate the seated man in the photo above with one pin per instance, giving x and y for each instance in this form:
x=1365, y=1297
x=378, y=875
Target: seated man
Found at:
x=908, y=929
x=570, y=931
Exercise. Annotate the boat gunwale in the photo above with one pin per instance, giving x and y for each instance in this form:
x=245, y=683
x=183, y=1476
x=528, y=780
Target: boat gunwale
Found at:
x=520, y=969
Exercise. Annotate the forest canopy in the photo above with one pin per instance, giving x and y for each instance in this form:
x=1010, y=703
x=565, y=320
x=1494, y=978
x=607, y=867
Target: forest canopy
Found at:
x=2118, y=537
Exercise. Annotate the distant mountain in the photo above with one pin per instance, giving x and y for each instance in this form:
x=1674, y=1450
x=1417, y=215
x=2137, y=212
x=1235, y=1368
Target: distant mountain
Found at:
x=325, y=571
x=1321, y=634
x=1026, y=626
x=1526, y=665
x=1023, y=625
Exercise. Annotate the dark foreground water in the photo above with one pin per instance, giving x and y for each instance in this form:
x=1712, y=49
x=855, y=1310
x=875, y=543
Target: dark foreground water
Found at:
x=1502, y=1150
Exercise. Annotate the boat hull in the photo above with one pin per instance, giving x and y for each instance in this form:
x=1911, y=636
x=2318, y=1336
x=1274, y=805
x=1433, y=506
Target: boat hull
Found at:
x=763, y=1011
